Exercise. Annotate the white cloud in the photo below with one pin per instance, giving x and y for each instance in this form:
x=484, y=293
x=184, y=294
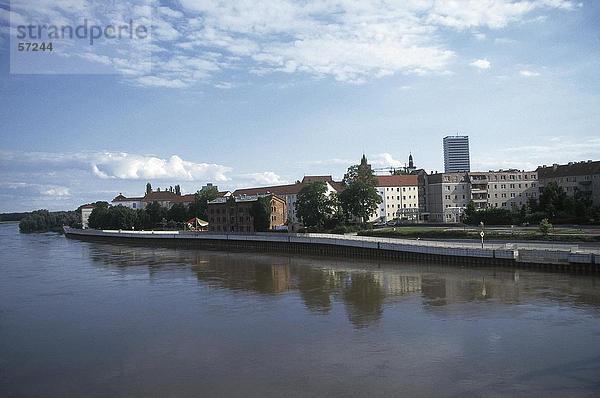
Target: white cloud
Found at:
x=264, y=178
x=116, y=165
x=349, y=41
x=128, y=166
x=494, y=14
x=57, y=191
x=560, y=149
x=481, y=63
x=386, y=160
x=30, y=189
x=528, y=73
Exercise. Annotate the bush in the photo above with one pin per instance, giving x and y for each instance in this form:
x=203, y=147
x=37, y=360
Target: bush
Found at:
x=545, y=226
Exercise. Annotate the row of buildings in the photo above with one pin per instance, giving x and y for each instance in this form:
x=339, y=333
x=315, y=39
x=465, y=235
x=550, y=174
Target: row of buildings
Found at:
x=408, y=194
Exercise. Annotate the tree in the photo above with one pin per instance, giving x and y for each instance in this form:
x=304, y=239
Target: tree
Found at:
x=261, y=214
x=156, y=214
x=313, y=207
x=177, y=213
x=470, y=213
x=98, y=217
x=202, y=197
x=359, y=198
x=545, y=226
x=360, y=172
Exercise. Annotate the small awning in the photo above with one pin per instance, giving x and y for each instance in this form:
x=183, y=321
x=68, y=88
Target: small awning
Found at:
x=196, y=222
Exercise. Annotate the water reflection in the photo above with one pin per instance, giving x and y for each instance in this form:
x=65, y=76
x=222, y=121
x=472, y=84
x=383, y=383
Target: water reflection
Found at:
x=363, y=288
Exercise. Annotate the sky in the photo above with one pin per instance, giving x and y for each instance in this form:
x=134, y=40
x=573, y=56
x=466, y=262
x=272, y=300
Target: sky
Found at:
x=263, y=92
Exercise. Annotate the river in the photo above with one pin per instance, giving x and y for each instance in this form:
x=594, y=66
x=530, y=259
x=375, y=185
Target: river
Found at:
x=104, y=320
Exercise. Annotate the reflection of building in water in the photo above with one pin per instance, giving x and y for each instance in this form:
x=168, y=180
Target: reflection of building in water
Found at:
x=456, y=288
x=280, y=274
x=394, y=284
x=242, y=274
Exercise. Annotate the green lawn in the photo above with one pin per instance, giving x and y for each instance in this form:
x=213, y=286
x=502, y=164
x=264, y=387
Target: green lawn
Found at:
x=559, y=234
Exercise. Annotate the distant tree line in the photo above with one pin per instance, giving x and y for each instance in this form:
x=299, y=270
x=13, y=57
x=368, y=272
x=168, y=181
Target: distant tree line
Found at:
x=45, y=221
x=554, y=205
x=13, y=216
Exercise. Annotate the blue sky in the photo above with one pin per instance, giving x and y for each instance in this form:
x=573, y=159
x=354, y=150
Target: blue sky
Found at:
x=262, y=92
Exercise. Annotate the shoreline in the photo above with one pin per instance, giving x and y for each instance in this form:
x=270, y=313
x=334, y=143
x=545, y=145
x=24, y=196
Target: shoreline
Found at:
x=458, y=253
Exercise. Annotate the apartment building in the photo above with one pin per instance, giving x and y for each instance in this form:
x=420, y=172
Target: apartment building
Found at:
x=447, y=196
x=400, y=198
x=234, y=213
x=582, y=177
x=508, y=189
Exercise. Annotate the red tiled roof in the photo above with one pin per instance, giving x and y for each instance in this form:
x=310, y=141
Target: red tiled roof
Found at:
x=159, y=196
x=88, y=206
x=309, y=179
x=396, y=180
x=189, y=198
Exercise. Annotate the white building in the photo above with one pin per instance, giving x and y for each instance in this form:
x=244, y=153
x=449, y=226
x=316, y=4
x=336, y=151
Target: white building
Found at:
x=400, y=198
x=86, y=211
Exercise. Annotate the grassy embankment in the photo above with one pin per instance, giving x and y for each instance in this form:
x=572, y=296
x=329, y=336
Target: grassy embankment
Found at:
x=411, y=232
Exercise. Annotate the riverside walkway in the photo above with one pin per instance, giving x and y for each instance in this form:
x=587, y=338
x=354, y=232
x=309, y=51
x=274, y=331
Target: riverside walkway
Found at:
x=559, y=255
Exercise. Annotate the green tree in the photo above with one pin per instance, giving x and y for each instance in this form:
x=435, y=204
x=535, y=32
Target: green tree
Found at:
x=313, y=207
x=202, y=197
x=545, y=226
x=156, y=214
x=471, y=213
x=177, y=213
x=261, y=214
x=359, y=198
x=99, y=217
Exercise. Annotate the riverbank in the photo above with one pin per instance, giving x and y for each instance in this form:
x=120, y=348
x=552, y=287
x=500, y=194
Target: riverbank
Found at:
x=563, y=234
x=560, y=257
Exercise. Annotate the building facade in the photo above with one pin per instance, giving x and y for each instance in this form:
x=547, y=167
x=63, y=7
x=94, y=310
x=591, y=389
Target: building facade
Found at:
x=289, y=193
x=400, y=198
x=448, y=195
x=582, y=178
x=508, y=189
x=456, y=154
x=234, y=213
x=86, y=212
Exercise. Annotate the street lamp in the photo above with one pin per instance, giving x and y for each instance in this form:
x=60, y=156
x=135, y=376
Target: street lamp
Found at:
x=482, y=233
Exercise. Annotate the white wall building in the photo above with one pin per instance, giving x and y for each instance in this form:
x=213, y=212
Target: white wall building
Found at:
x=400, y=198
x=86, y=211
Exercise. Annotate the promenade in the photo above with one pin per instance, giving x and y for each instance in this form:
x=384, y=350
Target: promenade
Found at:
x=553, y=255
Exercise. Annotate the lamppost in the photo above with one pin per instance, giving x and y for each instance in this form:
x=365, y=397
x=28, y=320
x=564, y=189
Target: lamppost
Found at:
x=482, y=233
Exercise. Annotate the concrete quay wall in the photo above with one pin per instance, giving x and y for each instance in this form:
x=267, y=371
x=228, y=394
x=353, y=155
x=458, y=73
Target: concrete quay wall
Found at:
x=357, y=246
